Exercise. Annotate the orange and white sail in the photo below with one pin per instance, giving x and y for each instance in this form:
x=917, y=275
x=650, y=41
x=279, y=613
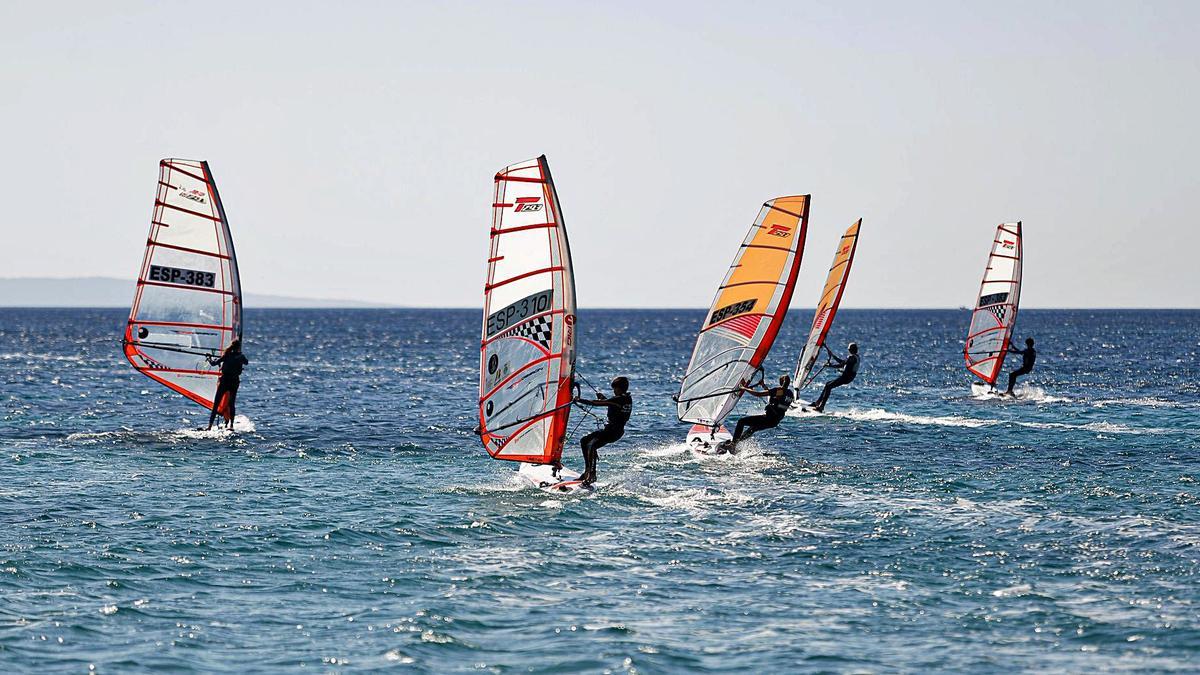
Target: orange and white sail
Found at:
x=527, y=354
x=827, y=307
x=188, y=302
x=745, y=317
x=996, y=308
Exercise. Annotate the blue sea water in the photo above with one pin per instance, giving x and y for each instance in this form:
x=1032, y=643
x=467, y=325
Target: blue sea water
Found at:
x=353, y=523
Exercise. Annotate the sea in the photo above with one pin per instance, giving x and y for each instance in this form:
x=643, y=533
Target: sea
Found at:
x=352, y=522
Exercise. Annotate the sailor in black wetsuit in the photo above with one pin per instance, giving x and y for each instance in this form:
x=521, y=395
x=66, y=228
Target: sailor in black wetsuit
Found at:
x=1028, y=356
x=849, y=366
x=231, y=362
x=779, y=399
x=619, y=408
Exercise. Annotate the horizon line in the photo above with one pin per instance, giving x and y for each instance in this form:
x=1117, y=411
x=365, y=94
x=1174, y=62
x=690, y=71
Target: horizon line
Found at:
x=383, y=307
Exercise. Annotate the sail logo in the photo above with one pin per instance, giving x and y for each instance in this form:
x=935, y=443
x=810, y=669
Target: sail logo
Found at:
x=527, y=204
x=845, y=249
x=779, y=230
x=194, y=195
x=1008, y=243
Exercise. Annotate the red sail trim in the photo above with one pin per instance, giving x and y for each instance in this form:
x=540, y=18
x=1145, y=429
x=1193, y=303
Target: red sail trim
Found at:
x=180, y=324
x=837, y=301
x=130, y=351
x=544, y=270
x=528, y=366
x=760, y=315
x=159, y=202
x=522, y=228
x=145, y=282
x=176, y=167
x=785, y=299
x=185, y=249
x=795, y=215
x=777, y=248
x=750, y=283
x=519, y=179
x=184, y=371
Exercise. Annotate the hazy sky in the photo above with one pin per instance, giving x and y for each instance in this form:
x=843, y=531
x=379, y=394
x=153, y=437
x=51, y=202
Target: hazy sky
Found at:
x=354, y=143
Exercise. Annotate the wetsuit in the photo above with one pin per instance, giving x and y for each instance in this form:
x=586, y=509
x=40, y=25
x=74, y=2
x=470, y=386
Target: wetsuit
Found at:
x=228, y=383
x=849, y=367
x=777, y=406
x=1028, y=356
x=618, y=415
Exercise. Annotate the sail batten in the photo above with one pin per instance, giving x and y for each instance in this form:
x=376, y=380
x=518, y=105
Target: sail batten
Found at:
x=995, y=312
x=827, y=307
x=527, y=348
x=745, y=316
x=187, y=303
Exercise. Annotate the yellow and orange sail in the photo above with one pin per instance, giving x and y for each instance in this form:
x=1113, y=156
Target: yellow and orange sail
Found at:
x=746, y=314
x=827, y=307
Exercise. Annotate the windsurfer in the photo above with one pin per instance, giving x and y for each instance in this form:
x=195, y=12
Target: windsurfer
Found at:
x=1028, y=356
x=619, y=408
x=231, y=361
x=849, y=368
x=779, y=399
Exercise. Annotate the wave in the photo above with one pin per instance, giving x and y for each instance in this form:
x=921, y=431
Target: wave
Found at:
x=881, y=415
x=1022, y=394
x=241, y=424
x=887, y=416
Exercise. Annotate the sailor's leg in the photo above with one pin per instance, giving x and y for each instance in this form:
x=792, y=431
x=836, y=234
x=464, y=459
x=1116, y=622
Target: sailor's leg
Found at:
x=212, y=416
x=588, y=444
x=232, y=405
x=819, y=404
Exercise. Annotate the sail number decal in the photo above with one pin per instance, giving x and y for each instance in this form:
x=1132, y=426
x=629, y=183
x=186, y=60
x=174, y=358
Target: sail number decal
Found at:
x=992, y=299
x=732, y=310
x=182, y=277
x=519, y=311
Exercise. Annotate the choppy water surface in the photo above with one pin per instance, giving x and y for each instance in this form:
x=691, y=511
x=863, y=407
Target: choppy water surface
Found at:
x=353, y=522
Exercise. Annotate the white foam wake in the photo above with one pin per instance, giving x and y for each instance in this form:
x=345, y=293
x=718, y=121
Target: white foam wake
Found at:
x=1022, y=394
x=881, y=415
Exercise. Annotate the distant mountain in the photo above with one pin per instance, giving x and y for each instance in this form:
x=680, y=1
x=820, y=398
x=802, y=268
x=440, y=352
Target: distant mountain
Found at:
x=108, y=292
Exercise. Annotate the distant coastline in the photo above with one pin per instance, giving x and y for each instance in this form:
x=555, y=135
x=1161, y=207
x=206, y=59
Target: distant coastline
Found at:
x=102, y=292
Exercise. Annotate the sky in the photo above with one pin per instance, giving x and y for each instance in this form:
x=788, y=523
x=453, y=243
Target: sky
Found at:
x=354, y=143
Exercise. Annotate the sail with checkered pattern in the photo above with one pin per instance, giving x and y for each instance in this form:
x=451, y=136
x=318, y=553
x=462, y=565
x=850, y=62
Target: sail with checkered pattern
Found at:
x=995, y=312
x=527, y=354
x=744, y=319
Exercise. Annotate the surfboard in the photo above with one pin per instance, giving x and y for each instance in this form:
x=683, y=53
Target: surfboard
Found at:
x=543, y=477
x=527, y=350
x=995, y=312
x=744, y=318
x=827, y=307
x=187, y=306
x=704, y=439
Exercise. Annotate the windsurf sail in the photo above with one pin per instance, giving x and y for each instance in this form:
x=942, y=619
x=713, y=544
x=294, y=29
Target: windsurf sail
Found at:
x=527, y=355
x=827, y=307
x=996, y=310
x=744, y=319
x=188, y=302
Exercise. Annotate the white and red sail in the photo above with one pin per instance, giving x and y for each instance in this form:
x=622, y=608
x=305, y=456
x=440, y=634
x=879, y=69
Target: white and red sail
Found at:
x=996, y=306
x=827, y=306
x=527, y=353
x=188, y=303
x=746, y=314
